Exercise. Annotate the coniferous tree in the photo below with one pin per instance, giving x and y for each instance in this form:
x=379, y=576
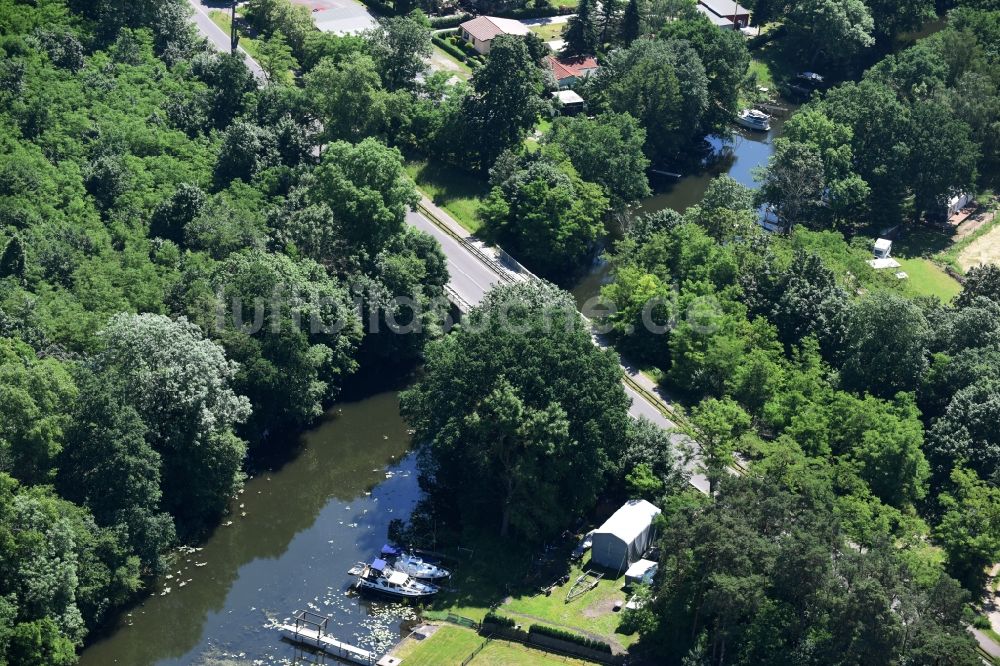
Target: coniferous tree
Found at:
x=631, y=23
x=581, y=33
x=12, y=261
x=609, y=16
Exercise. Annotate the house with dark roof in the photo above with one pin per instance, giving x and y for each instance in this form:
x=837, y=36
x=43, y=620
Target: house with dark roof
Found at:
x=570, y=71
x=730, y=10
x=717, y=21
x=481, y=30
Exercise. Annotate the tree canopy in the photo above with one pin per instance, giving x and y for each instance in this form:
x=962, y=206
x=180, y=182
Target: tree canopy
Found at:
x=518, y=416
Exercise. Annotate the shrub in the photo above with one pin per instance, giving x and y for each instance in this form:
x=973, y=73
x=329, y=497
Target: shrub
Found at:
x=765, y=37
x=570, y=637
x=448, y=48
x=380, y=7
x=501, y=620
x=536, y=12
x=452, y=21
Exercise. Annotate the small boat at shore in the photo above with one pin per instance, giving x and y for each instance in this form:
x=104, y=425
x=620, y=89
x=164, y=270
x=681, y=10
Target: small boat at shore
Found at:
x=754, y=120
x=381, y=578
x=412, y=565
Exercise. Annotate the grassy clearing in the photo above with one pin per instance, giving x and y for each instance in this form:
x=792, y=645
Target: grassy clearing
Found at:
x=497, y=573
x=549, y=31
x=533, y=140
x=483, y=577
x=763, y=73
x=593, y=612
x=565, y=3
x=459, y=68
x=450, y=645
x=458, y=192
x=982, y=247
x=925, y=278
x=447, y=645
x=505, y=653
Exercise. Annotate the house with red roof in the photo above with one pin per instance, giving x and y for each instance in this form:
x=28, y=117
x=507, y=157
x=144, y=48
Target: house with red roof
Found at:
x=570, y=71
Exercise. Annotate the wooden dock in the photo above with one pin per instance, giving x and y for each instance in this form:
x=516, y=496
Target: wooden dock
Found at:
x=310, y=629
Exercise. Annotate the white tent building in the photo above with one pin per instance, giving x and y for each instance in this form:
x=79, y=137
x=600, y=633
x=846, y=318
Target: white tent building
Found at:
x=625, y=536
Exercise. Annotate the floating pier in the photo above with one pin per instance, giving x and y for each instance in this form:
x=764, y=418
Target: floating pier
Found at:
x=310, y=629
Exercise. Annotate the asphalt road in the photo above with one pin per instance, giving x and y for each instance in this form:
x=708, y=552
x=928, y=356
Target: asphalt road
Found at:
x=471, y=276
x=218, y=37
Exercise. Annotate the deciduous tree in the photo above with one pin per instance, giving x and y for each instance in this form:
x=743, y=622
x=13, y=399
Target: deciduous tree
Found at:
x=518, y=396
x=608, y=151
x=547, y=215
x=504, y=102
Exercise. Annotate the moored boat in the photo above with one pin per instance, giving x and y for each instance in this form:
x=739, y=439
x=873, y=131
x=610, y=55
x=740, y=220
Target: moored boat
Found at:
x=380, y=577
x=412, y=565
x=754, y=120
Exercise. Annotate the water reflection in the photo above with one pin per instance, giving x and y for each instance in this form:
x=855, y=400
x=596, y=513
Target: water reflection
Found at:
x=304, y=525
x=737, y=155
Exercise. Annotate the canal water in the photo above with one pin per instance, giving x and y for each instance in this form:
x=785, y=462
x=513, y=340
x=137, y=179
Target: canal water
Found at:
x=292, y=535
x=737, y=155
x=295, y=531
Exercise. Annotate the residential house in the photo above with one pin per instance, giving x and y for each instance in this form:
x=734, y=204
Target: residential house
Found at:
x=717, y=21
x=481, y=30
x=570, y=71
x=730, y=10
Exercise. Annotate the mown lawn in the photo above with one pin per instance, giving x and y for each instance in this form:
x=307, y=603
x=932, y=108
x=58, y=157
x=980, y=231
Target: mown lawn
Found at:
x=591, y=612
x=504, y=653
x=462, y=70
x=764, y=77
x=925, y=278
x=458, y=192
x=549, y=31
x=448, y=645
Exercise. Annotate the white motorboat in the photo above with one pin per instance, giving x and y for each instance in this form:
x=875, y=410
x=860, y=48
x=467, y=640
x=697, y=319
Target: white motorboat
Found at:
x=754, y=120
x=381, y=578
x=412, y=565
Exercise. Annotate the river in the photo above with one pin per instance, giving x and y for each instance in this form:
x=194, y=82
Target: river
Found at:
x=305, y=524
x=737, y=155
x=326, y=508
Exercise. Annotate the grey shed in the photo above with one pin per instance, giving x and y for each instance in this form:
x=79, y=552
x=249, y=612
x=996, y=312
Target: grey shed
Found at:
x=625, y=536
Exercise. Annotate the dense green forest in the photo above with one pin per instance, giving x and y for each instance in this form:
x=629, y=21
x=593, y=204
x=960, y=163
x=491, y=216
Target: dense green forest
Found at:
x=190, y=265
x=867, y=418
x=154, y=206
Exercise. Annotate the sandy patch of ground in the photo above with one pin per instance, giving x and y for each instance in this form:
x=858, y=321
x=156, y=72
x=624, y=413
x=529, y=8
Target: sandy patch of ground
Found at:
x=600, y=608
x=983, y=250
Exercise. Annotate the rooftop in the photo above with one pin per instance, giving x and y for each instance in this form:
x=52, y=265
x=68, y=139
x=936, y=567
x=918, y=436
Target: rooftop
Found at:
x=568, y=97
x=632, y=518
x=485, y=28
x=717, y=20
x=725, y=7
x=564, y=68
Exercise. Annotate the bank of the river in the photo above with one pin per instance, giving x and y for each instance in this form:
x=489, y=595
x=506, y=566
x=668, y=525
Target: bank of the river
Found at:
x=304, y=525
x=736, y=156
